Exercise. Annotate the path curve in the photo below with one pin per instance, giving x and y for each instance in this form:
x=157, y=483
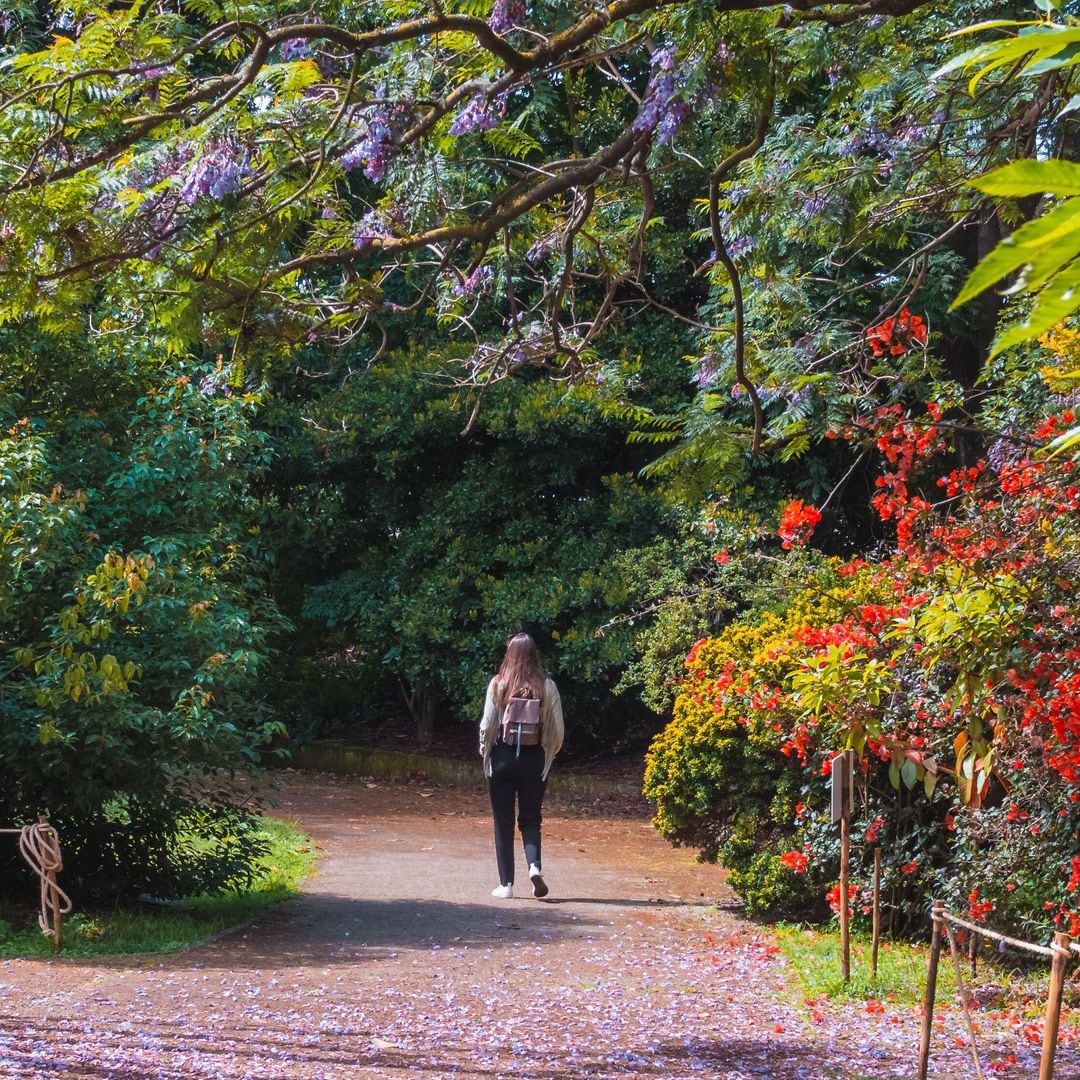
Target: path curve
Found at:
x=395, y=961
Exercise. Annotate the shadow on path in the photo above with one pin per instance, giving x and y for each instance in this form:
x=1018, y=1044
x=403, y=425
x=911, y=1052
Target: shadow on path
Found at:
x=329, y=929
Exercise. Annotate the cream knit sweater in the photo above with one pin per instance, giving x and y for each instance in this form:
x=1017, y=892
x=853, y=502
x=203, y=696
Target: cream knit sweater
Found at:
x=551, y=725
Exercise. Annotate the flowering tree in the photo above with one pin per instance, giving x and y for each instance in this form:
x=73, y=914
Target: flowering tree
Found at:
x=950, y=666
x=253, y=170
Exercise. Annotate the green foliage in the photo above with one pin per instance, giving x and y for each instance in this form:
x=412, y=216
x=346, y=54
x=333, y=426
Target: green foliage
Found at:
x=768, y=888
x=133, y=625
x=1043, y=250
x=814, y=956
x=436, y=545
x=286, y=858
x=716, y=773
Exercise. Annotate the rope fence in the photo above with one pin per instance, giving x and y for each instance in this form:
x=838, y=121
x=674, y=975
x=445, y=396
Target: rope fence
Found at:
x=1059, y=952
x=39, y=845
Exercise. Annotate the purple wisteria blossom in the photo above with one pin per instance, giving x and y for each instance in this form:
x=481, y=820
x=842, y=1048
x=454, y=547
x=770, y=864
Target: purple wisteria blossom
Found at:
x=479, y=114
x=706, y=371
x=371, y=150
x=740, y=246
x=472, y=283
x=807, y=345
x=506, y=14
x=214, y=384
x=676, y=114
x=665, y=106
x=872, y=140
x=1002, y=453
x=660, y=91
x=217, y=171
x=152, y=76
x=540, y=247
x=372, y=226
x=295, y=49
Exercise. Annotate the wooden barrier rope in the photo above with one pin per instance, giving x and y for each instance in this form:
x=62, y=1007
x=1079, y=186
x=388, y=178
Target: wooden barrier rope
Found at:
x=1059, y=953
x=40, y=847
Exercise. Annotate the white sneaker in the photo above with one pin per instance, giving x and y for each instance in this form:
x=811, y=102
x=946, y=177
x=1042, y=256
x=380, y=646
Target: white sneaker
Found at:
x=539, y=887
x=503, y=892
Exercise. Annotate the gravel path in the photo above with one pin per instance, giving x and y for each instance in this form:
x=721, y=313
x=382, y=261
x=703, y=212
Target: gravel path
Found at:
x=397, y=962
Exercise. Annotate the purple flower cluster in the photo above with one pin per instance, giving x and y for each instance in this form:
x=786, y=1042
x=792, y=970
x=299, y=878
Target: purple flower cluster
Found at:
x=540, y=247
x=479, y=114
x=873, y=140
x=507, y=14
x=706, y=371
x=815, y=204
x=807, y=345
x=664, y=109
x=740, y=246
x=372, y=226
x=1002, y=453
x=215, y=383
x=219, y=170
x=371, y=150
x=887, y=145
x=472, y=283
x=295, y=49
x=661, y=90
x=151, y=76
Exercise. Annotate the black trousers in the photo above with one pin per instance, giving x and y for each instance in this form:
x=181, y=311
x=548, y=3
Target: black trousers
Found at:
x=516, y=779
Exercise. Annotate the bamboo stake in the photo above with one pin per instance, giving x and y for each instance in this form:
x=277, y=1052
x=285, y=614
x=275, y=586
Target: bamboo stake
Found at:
x=1053, y=1006
x=877, y=913
x=931, y=990
x=965, y=1000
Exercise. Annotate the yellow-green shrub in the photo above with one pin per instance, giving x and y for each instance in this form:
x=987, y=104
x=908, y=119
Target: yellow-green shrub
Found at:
x=725, y=775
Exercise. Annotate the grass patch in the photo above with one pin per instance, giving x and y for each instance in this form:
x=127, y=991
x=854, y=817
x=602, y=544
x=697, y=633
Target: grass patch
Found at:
x=288, y=861
x=814, y=955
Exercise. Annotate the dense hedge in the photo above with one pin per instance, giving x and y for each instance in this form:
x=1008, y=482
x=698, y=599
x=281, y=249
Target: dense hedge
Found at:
x=950, y=666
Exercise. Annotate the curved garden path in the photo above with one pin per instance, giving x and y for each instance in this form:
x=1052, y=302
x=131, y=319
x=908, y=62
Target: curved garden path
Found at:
x=396, y=962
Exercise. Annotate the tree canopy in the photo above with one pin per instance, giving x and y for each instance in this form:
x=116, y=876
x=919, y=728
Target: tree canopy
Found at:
x=412, y=321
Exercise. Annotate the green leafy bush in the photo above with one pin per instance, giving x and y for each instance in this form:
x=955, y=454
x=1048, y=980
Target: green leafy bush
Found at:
x=133, y=626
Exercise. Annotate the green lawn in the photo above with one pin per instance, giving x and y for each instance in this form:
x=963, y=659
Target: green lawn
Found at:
x=164, y=929
x=901, y=972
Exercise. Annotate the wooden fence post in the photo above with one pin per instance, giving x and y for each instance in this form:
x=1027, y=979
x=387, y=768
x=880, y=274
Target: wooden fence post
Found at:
x=51, y=890
x=845, y=913
x=1053, y=1005
x=931, y=989
x=877, y=913
x=842, y=781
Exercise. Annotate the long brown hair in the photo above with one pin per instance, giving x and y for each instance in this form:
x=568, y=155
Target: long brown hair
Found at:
x=521, y=666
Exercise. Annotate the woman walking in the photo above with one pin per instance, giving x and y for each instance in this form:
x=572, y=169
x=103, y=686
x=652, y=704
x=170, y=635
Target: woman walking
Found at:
x=516, y=771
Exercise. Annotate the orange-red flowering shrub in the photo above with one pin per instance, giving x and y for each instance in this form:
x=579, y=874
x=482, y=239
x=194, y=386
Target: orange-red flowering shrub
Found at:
x=952, y=666
x=797, y=523
x=897, y=334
